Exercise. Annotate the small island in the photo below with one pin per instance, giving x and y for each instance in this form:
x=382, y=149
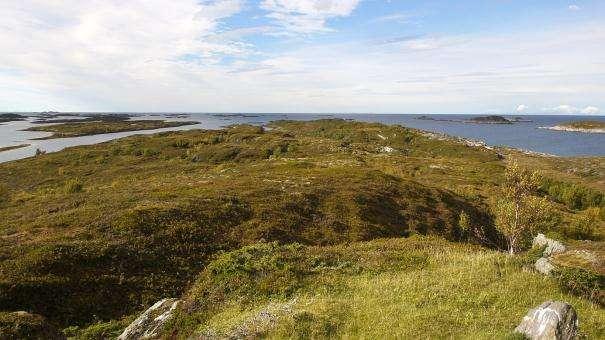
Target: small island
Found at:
x=87, y=128
x=491, y=119
x=585, y=126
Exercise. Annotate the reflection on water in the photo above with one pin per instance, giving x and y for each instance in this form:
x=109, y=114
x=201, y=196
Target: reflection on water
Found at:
x=524, y=135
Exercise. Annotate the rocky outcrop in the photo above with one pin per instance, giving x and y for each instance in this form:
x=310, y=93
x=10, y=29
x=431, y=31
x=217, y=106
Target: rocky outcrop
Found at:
x=544, y=265
x=552, y=246
x=551, y=320
x=23, y=325
x=150, y=323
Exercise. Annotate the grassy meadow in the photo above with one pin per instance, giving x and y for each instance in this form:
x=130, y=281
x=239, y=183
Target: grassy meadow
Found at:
x=331, y=228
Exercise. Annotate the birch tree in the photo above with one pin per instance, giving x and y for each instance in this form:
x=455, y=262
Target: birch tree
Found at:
x=519, y=212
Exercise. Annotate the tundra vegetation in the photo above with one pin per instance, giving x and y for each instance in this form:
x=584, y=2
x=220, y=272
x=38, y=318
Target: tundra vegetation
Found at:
x=327, y=228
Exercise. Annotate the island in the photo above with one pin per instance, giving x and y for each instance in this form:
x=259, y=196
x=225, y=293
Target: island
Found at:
x=95, y=127
x=11, y=117
x=585, y=126
x=490, y=119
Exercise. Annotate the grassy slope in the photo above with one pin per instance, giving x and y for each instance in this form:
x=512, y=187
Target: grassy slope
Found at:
x=420, y=287
x=76, y=129
x=138, y=218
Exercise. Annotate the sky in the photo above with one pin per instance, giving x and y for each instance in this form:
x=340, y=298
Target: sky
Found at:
x=316, y=56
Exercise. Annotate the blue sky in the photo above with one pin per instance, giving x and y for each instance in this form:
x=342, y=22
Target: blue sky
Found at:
x=498, y=56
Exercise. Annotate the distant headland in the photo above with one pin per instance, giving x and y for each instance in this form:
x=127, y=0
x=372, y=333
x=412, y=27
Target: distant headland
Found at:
x=585, y=126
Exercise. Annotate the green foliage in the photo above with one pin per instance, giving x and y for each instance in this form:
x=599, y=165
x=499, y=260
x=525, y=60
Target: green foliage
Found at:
x=100, y=330
x=574, y=196
x=582, y=282
x=22, y=325
x=519, y=213
x=585, y=225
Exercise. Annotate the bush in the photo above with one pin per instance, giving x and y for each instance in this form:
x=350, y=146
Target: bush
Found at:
x=574, y=196
x=22, y=325
x=584, y=225
x=582, y=282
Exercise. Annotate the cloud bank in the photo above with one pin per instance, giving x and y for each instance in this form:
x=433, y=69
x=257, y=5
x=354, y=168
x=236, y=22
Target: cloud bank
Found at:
x=187, y=55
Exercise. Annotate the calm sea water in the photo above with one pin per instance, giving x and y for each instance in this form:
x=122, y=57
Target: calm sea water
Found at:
x=523, y=135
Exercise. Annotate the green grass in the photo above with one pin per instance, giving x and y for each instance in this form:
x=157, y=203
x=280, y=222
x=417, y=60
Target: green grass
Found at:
x=420, y=287
x=139, y=218
x=76, y=129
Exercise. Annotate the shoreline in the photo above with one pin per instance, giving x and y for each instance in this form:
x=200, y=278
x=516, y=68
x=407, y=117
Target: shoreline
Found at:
x=571, y=129
x=13, y=147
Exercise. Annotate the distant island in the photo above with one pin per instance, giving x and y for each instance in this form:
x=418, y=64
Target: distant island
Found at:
x=585, y=126
x=73, y=128
x=490, y=119
x=11, y=117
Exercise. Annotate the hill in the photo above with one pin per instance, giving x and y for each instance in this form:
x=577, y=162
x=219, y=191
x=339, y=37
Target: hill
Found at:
x=138, y=219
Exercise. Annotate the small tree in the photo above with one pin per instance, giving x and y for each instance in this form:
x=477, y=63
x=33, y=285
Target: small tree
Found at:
x=519, y=213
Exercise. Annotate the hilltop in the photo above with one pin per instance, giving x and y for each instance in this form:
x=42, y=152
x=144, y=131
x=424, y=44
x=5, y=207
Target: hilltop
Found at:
x=354, y=209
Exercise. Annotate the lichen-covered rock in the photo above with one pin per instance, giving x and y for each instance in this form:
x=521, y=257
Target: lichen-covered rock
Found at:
x=551, y=320
x=552, y=246
x=23, y=325
x=544, y=266
x=149, y=324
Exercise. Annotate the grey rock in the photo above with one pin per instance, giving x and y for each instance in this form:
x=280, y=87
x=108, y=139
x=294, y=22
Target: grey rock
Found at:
x=554, y=320
x=151, y=321
x=552, y=246
x=544, y=266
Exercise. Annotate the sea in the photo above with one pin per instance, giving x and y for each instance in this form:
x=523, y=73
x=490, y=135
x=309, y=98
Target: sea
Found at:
x=525, y=135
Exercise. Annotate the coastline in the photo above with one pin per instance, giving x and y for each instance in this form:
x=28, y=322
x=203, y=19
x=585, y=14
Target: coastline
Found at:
x=571, y=129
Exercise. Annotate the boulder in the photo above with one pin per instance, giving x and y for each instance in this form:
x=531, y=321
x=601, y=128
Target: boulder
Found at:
x=552, y=246
x=23, y=325
x=150, y=323
x=551, y=320
x=544, y=266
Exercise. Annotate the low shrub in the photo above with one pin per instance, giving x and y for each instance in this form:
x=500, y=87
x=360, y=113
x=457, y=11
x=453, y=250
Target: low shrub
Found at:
x=574, y=196
x=582, y=282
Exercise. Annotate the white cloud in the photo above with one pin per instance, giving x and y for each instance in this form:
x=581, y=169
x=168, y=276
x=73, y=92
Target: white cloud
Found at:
x=591, y=110
x=164, y=55
x=573, y=7
x=562, y=109
x=307, y=16
x=521, y=108
x=570, y=110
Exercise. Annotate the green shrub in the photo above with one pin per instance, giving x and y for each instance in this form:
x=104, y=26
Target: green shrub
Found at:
x=582, y=282
x=22, y=325
x=574, y=196
x=584, y=225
